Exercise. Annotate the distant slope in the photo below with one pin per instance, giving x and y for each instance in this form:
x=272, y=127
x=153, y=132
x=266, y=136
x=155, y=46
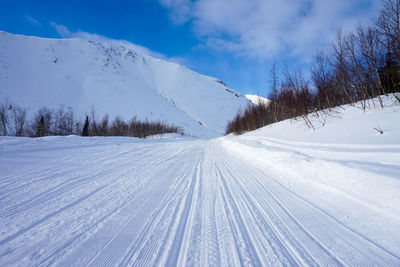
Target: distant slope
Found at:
x=35, y=72
x=255, y=99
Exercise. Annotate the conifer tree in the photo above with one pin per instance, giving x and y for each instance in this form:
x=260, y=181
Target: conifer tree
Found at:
x=40, y=128
x=85, y=131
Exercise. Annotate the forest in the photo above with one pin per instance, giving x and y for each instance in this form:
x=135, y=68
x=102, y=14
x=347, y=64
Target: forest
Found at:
x=62, y=121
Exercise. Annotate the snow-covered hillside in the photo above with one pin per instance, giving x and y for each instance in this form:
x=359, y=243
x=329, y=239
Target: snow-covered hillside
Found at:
x=283, y=195
x=256, y=99
x=36, y=72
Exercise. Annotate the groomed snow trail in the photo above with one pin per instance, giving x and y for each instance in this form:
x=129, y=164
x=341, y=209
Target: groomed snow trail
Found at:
x=119, y=201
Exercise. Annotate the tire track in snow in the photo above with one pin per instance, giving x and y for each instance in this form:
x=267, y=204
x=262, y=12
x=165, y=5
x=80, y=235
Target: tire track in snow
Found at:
x=120, y=245
x=367, y=250
x=189, y=204
x=211, y=228
x=120, y=175
x=120, y=238
x=276, y=247
x=219, y=246
x=278, y=229
x=247, y=250
x=359, y=250
x=48, y=216
x=141, y=251
x=158, y=233
x=202, y=244
x=43, y=172
x=86, y=235
x=180, y=244
x=30, y=176
x=59, y=188
x=70, y=185
x=165, y=232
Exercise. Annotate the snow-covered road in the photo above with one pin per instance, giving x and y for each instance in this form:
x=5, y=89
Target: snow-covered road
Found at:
x=71, y=201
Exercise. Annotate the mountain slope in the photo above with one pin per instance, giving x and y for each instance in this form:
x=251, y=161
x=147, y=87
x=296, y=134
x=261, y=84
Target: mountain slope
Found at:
x=255, y=99
x=119, y=81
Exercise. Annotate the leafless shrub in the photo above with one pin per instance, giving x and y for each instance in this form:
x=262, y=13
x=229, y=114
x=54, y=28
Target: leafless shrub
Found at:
x=63, y=121
x=5, y=108
x=379, y=130
x=104, y=127
x=18, y=118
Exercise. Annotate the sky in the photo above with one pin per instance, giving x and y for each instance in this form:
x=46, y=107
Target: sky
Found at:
x=236, y=41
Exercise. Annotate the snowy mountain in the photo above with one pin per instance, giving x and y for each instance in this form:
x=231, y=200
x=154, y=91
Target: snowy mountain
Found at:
x=256, y=99
x=36, y=72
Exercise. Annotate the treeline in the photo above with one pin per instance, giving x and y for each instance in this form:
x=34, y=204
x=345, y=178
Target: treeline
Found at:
x=360, y=65
x=62, y=121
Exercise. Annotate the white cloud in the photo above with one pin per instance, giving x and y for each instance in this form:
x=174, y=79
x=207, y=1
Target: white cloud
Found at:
x=267, y=28
x=181, y=10
x=65, y=32
x=62, y=30
x=31, y=20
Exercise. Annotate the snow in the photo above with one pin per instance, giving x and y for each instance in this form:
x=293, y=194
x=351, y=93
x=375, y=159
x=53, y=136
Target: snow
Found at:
x=343, y=125
x=117, y=80
x=256, y=99
x=281, y=195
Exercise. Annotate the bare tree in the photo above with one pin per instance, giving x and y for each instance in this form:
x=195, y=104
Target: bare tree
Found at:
x=93, y=125
x=273, y=97
x=18, y=116
x=5, y=106
x=342, y=70
x=373, y=57
x=323, y=78
x=104, y=128
x=117, y=127
x=60, y=123
x=388, y=24
x=69, y=121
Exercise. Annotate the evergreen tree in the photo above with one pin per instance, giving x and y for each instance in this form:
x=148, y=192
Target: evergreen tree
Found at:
x=85, y=131
x=40, y=128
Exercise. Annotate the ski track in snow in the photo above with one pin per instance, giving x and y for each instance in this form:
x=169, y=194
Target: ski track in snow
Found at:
x=189, y=202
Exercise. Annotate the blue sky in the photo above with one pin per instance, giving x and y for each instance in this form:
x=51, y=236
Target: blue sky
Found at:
x=236, y=41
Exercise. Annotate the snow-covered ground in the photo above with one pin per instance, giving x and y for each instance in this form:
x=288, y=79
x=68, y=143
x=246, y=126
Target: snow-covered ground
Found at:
x=256, y=99
x=282, y=195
